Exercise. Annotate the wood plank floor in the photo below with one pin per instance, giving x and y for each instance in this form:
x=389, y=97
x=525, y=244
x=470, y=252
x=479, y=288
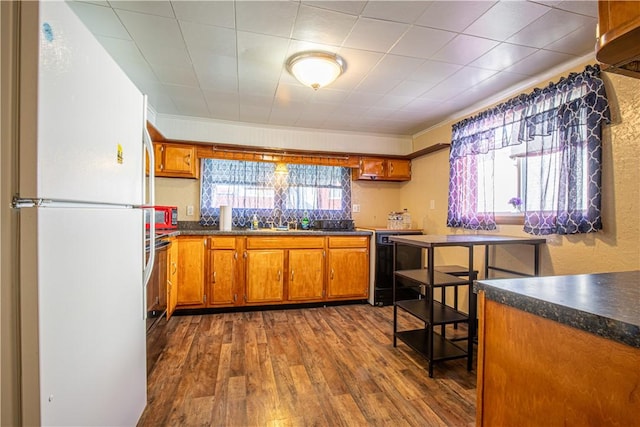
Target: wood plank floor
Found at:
x=330, y=366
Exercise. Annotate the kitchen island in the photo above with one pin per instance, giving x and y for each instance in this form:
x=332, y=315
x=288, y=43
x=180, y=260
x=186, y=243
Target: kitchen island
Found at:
x=561, y=350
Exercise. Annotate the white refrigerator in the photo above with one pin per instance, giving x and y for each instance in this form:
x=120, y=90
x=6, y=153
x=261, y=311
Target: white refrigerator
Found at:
x=81, y=227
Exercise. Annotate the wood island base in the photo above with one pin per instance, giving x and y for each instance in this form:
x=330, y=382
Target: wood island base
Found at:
x=534, y=371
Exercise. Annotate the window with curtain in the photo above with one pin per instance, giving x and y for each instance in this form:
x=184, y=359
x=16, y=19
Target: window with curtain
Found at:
x=551, y=138
x=255, y=188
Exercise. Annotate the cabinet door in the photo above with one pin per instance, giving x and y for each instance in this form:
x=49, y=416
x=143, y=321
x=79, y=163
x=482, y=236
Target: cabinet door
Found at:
x=306, y=274
x=619, y=28
x=264, y=273
x=158, y=151
x=371, y=167
x=191, y=252
x=398, y=169
x=348, y=273
x=172, y=278
x=179, y=159
x=176, y=160
x=222, y=268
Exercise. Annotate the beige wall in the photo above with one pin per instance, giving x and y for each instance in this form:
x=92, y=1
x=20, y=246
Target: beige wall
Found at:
x=615, y=248
x=181, y=193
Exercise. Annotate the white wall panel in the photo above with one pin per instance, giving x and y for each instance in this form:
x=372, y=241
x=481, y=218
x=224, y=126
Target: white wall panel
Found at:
x=212, y=131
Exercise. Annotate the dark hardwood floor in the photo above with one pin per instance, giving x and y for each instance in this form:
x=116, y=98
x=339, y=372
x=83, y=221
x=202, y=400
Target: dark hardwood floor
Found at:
x=331, y=366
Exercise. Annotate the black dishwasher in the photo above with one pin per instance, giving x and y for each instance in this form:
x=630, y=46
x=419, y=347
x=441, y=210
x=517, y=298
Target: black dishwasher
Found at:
x=408, y=257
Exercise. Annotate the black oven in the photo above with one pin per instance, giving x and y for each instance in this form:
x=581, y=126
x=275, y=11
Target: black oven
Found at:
x=407, y=258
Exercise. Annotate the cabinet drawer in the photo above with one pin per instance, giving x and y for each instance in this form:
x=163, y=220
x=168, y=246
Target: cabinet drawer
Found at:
x=284, y=242
x=348, y=241
x=222, y=242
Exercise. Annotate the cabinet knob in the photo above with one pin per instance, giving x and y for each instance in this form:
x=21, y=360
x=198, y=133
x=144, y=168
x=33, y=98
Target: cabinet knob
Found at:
x=214, y=277
x=187, y=159
x=292, y=275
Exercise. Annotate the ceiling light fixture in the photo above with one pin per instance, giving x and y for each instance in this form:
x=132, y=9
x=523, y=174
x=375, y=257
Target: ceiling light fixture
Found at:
x=316, y=69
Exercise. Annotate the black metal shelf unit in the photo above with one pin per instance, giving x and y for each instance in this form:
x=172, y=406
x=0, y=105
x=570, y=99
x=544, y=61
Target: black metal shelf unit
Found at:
x=433, y=346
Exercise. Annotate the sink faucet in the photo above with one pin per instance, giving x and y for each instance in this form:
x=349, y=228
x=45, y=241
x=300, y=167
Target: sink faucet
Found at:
x=277, y=217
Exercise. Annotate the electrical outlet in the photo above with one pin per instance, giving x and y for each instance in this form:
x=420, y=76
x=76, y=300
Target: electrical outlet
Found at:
x=432, y=204
x=190, y=210
x=355, y=208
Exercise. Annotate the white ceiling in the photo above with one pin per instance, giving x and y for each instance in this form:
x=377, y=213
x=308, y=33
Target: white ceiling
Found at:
x=410, y=64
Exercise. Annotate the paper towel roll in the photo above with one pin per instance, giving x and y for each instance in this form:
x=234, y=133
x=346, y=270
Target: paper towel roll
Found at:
x=225, y=218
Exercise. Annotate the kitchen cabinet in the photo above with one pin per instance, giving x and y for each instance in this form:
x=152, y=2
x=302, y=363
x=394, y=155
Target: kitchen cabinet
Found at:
x=176, y=160
x=619, y=32
x=376, y=168
x=233, y=271
x=348, y=267
x=223, y=258
x=306, y=274
x=191, y=253
x=172, y=277
x=285, y=269
x=264, y=276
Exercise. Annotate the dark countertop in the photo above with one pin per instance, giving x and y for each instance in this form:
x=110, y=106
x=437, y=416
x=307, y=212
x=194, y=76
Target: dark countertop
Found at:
x=605, y=304
x=215, y=231
x=431, y=240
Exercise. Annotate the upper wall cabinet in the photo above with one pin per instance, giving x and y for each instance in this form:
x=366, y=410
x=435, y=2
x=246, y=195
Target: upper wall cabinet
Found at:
x=618, y=42
x=376, y=168
x=175, y=160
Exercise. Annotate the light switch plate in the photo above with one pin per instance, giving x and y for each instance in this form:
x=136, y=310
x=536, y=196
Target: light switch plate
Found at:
x=190, y=210
x=355, y=208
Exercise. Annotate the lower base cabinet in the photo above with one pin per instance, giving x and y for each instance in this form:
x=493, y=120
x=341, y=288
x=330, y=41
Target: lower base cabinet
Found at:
x=265, y=269
x=191, y=268
x=231, y=271
x=172, y=277
x=348, y=268
x=222, y=258
x=306, y=275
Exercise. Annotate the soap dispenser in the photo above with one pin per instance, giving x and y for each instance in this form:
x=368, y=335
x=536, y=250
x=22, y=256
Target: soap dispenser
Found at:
x=254, y=222
x=305, y=221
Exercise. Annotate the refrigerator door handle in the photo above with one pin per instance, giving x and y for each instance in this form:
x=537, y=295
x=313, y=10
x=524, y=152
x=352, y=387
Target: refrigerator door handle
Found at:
x=151, y=202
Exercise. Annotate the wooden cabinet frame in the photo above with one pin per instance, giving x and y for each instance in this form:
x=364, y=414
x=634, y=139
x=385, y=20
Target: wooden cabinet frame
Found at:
x=234, y=271
x=382, y=169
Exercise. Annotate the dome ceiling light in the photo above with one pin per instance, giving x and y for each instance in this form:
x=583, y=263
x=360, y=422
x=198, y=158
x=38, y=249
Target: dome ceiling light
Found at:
x=316, y=69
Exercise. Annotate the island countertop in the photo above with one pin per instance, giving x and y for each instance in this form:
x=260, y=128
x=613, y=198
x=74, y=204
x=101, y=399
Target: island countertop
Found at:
x=605, y=304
